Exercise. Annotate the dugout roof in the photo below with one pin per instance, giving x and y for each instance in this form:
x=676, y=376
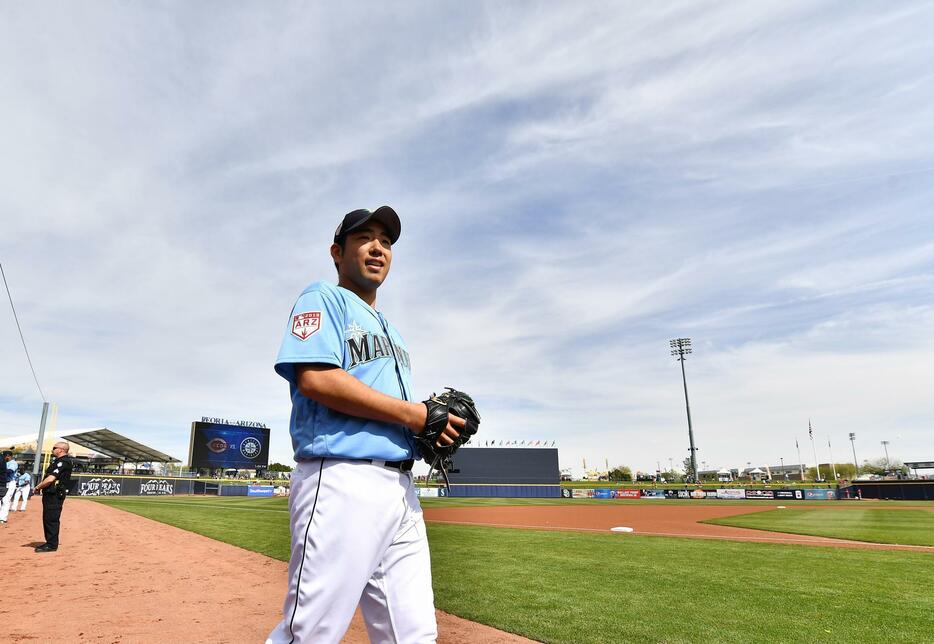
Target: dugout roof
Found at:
x=110, y=443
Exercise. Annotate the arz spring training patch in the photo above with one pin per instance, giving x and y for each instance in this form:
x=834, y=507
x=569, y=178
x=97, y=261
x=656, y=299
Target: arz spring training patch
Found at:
x=304, y=325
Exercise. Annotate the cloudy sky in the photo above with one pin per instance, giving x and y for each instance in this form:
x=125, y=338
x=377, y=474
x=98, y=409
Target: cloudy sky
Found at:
x=578, y=184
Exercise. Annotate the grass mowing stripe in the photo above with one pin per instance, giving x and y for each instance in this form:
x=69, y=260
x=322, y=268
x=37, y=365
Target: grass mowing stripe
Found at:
x=449, y=502
x=125, y=503
x=582, y=587
x=907, y=527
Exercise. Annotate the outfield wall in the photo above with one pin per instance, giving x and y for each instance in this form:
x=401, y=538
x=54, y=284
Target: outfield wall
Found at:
x=503, y=491
x=729, y=494
x=893, y=490
x=505, y=466
x=103, y=485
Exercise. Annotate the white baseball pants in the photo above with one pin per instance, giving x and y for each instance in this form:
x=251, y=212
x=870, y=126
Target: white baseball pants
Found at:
x=21, y=494
x=358, y=538
x=5, y=503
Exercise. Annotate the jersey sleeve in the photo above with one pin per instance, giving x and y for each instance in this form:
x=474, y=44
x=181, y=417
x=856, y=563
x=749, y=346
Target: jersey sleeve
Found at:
x=314, y=333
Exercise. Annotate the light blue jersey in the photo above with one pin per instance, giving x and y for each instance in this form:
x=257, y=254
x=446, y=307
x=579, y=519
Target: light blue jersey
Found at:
x=24, y=480
x=12, y=469
x=331, y=325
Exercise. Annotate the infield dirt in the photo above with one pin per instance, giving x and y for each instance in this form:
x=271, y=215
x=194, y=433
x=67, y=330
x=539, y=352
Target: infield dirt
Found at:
x=656, y=520
x=118, y=577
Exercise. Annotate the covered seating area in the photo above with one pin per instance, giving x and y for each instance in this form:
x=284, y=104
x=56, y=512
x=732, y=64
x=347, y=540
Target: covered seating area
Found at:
x=94, y=450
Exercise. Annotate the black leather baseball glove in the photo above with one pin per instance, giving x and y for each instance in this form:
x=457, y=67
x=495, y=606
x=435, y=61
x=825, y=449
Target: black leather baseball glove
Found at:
x=439, y=406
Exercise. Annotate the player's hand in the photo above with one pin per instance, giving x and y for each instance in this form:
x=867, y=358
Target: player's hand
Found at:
x=452, y=431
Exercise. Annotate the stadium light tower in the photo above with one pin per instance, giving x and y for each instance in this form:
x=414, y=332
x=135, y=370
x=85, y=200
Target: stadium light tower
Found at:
x=681, y=347
x=885, y=446
x=855, y=462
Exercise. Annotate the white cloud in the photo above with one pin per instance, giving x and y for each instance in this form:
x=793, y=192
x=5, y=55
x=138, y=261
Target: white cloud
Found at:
x=580, y=183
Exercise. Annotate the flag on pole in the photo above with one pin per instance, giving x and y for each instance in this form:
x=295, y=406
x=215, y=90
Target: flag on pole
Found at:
x=796, y=444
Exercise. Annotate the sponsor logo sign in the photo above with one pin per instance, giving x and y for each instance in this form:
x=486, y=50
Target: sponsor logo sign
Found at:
x=426, y=491
x=625, y=494
x=789, y=494
x=823, y=494
x=603, y=494
x=676, y=494
x=699, y=494
x=711, y=494
x=156, y=487
x=99, y=487
x=260, y=490
x=566, y=493
x=653, y=494
x=685, y=494
x=578, y=493
x=305, y=325
x=760, y=494
x=731, y=493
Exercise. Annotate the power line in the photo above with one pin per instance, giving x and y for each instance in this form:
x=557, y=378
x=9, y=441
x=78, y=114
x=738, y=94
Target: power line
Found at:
x=28, y=359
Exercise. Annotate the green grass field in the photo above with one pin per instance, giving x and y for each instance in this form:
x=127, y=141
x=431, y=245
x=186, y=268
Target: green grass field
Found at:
x=577, y=587
x=449, y=502
x=902, y=526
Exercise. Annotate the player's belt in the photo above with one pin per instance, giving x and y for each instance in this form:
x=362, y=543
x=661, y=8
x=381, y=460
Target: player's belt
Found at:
x=402, y=466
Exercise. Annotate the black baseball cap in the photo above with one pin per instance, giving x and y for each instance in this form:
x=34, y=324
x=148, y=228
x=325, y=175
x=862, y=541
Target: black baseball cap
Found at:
x=384, y=215
x=7, y=452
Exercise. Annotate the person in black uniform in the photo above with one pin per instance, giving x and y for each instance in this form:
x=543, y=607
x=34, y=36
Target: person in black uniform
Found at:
x=53, y=488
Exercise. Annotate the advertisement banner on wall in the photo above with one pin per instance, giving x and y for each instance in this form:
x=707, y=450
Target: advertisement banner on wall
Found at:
x=426, y=491
x=653, y=494
x=789, y=495
x=578, y=493
x=603, y=494
x=686, y=494
x=156, y=487
x=822, y=494
x=566, y=493
x=260, y=490
x=625, y=494
x=700, y=494
x=731, y=493
x=99, y=486
x=675, y=494
x=760, y=494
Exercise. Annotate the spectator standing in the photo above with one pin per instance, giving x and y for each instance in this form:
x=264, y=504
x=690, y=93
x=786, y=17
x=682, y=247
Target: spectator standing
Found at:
x=9, y=474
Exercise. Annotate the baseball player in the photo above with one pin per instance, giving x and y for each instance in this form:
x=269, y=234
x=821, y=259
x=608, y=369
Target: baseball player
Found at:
x=21, y=494
x=358, y=537
x=10, y=468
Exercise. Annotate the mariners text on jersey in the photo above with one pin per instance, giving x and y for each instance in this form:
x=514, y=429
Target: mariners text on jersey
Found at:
x=332, y=325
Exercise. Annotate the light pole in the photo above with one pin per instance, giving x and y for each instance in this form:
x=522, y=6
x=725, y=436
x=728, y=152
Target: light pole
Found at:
x=681, y=347
x=885, y=446
x=814, y=448
x=832, y=464
x=800, y=463
x=855, y=462
x=784, y=473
